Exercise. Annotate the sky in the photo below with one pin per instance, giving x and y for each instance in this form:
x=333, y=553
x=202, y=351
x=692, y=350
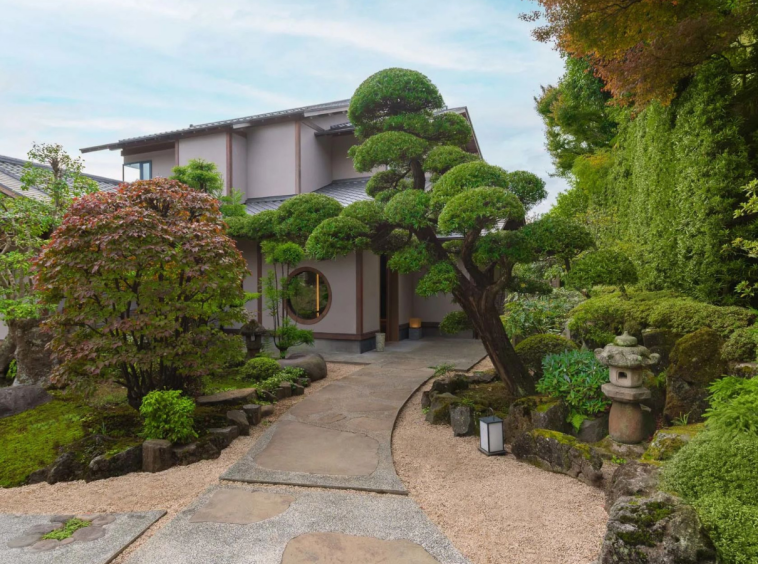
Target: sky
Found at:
x=89, y=72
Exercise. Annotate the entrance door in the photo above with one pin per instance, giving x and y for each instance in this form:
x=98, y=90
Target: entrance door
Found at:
x=388, y=302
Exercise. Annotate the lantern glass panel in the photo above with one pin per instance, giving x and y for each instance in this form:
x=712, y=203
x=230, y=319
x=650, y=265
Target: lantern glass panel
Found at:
x=491, y=435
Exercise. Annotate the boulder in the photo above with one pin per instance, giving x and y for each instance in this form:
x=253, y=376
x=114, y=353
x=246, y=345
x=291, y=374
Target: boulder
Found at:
x=17, y=399
x=66, y=468
x=439, y=410
x=313, y=364
x=285, y=390
x=462, y=420
x=561, y=453
x=230, y=397
x=124, y=462
x=593, y=430
x=450, y=384
x=610, y=449
x=426, y=399
x=660, y=342
x=224, y=436
x=634, y=479
x=667, y=442
x=239, y=418
x=534, y=412
x=659, y=529
x=157, y=455
x=195, y=452
x=267, y=410
x=482, y=376
x=297, y=390
x=253, y=412
x=695, y=363
x=32, y=355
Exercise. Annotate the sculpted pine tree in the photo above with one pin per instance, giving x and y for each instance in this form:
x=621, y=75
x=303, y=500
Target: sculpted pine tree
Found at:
x=440, y=210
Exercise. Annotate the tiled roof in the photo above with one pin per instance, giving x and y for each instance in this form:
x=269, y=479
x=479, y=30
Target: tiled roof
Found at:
x=344, y=191
x=10, y=177
x=347, y=126
x=242, y=121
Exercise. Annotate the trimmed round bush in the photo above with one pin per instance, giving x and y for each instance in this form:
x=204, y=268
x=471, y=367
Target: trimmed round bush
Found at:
x=260, y=368
x=533, y=349
x=741, y=345
x=168, y=415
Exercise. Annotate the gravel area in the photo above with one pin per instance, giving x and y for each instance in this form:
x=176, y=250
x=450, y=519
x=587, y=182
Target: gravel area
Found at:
x=171, y=490
x=495, y=509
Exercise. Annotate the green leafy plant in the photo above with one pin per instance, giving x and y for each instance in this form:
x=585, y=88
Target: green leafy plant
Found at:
x=68, y=529
x=526, y=315
x=601, y=267
x=289, y=374
x=12, y=370
x=535, y=348
x=260, y=368
x=233, y=206
x=681, y=421
x=741, y=345
x=734, y=407
x=618, y=460
x=442, y=369
x=168, y=415
x=201, y=175
x=575, y=377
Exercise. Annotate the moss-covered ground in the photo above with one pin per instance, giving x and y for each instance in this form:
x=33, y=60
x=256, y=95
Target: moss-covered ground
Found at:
x=484, y=397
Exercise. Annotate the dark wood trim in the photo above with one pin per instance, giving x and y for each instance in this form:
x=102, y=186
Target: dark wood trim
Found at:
x=393, y=306
x=176, y=153
x=359, y=291
x=345, y=336
x=259, y=275
x=147, y=149
x=430, y=324
x=228, y=163
x=298, y=170
x=404, y=326
x=294, y=315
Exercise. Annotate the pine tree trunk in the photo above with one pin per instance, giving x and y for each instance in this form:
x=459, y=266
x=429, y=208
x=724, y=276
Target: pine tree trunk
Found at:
x=7, y=354
x=485, y=318
x=32, y=357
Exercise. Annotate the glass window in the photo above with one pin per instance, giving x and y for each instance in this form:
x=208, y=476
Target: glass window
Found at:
x=138, y=171
x=310, y=295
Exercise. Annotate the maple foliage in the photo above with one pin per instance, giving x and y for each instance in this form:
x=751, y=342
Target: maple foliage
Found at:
x=643, y=49
x=147, y=279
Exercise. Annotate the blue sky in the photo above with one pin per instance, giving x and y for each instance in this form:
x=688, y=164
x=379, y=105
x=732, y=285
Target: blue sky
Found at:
x=87, y=72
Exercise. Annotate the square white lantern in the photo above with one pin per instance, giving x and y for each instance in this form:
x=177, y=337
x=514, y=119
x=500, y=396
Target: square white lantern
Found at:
x=491, y=435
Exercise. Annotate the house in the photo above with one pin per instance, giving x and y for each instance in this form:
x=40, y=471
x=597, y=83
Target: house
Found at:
x=10, y=185
x=272, y=157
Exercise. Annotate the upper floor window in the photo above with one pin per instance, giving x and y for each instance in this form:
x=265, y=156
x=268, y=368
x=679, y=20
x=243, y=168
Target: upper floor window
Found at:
x=142, y=170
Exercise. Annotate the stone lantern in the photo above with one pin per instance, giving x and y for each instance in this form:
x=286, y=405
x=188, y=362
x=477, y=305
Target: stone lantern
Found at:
x=627, y=363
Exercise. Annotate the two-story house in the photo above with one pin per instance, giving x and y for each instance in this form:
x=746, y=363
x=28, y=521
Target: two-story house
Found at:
x=274, y=156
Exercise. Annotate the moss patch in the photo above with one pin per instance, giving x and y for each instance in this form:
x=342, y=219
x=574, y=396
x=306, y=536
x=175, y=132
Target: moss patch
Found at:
x=668, y=441
x=68, y=529
x=31, y=440
x=582, y=448
x=484, y=397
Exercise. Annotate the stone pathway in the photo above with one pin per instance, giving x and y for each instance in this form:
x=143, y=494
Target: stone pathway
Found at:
x=340, y=437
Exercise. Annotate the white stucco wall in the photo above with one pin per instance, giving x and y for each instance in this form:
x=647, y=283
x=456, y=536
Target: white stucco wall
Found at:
x=249, y=250
x=433, y=309
x=163, y=161
x=271, y=160
x=239, y=164
x=342, y=165
x=315, y=160
x=208, y=147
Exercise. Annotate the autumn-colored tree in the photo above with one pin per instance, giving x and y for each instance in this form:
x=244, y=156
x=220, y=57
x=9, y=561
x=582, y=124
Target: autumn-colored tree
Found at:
x=147, y=278
x=644, y=49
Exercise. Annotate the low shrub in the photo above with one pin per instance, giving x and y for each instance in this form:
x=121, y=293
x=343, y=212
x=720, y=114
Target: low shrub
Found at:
x=734, y=408
x=741, y=345
x=260, y=368
x=288, y=374
x=533, y=349
x=167, y=415
x=455, y=322
x=575, y=377
x=527, y=315
x=603, y=266
x=732, y=526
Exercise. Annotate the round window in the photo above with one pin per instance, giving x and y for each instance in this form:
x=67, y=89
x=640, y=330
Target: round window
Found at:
x=310, y=296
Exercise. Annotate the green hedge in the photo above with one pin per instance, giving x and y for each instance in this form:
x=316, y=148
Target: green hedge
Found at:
x=535, y=348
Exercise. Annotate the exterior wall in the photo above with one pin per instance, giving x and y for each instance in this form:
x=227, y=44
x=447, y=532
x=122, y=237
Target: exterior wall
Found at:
x=163, y=161
x=209, y=147
x=271, y=160
x=315, y=160
x=342, y=165
x=371, y=293
x=434, y=309
x=249, y=250
x=239, y=163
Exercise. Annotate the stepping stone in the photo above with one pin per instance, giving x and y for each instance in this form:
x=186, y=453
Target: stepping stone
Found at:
x=45, y=545
x=103, y=520
x=25, y=540
x=336, y=548
x=244, y=395
x=43, y=528
x=239, y=507
x=61, y=518
x=296, y=447
x=88, y=534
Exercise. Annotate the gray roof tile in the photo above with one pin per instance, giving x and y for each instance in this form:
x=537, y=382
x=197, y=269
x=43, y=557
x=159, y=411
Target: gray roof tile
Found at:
x=344, y=191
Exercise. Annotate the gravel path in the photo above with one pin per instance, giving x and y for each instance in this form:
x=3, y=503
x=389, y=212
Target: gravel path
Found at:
x=171, y=490
x=495, y=509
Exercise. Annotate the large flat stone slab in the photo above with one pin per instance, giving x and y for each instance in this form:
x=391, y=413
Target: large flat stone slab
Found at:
x=336, y=548
x=318, y=450
x=229, y=397
x=99, y=547
x=366, y=525
x=241, y=507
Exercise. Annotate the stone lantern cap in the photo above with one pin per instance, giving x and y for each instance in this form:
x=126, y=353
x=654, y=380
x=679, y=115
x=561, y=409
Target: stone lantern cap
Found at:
x=625, y=353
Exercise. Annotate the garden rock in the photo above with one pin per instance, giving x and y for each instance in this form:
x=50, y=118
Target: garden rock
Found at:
x=557, y=452
x=297, y=390
x=659, y=529
x=239, y=418
x=157, y=455
x=439, y=410
x=17, y=399
x=450, y=384
x=313, y=364
x=634, y=479
x=223, y=437
x=38, y=476
x=66, y=468
x=593, y=430
x=195, y=452
x=482, y=377
x=695, y=363
x=426, y=399
x=267, y=410
x=285, y=390
x=462, y=420
x=230, y=397
x=667, y=442
x=126, y=461
x=534, y=412
x=660, y=342
x=253, y=412
x=32, y=356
